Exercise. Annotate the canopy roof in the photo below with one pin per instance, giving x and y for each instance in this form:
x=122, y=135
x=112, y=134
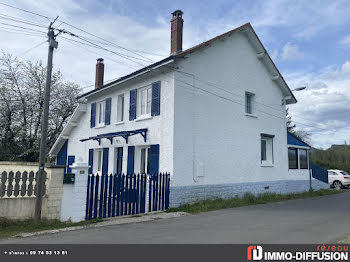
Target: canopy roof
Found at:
x=124, y=134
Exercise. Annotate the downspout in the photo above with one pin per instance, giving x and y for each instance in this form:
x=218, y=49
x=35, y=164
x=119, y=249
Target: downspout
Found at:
x=310, y=170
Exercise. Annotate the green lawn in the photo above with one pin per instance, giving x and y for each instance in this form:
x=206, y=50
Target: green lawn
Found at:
x=9, y=228
x=248, y=199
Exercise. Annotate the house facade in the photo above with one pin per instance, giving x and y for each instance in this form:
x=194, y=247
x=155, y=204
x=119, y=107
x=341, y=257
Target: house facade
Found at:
x=212, y=115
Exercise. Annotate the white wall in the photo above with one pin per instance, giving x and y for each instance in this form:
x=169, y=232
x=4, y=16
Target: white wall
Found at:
x=213, y=137
x=160, y=128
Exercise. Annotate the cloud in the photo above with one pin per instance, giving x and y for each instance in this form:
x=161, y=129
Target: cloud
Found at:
x=346, y=40
x=291, y=52
x=323, y=108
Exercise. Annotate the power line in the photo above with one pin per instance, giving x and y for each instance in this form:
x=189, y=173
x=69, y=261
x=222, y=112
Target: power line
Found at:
x=111, y=43
x=32, y=48
x=11, y=18
x=236, y=102
x=27, y=11
x=26, y=28
x=77, y=43
x=208, y=83
x=126, y=56
x=130, y=58
x=4, y=29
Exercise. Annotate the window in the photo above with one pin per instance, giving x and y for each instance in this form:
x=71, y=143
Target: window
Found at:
x=144, y=97
x=249, y=97
x=331, y=173
x=144, y=165
x=120, y=108
x=344, y=173
x=293, y=158
x=303, y=159
x=267, y=149
x=100, y=113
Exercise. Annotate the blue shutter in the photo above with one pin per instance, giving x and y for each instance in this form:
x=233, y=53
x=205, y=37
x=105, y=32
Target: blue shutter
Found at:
x=93, y=115
x=154, y=159
x=71, y=160
x=61, y=158
x=108, y=111
x=91, y=160
x=131, y=156
x=105, y=161
x=155, y=108
x=132, y=108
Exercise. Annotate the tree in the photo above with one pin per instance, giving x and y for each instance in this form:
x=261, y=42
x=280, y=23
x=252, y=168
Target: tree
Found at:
x=292, y=128
x=22, y=86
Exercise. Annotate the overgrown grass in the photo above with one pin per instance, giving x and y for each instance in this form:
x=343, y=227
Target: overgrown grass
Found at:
x=10, y=228
x=248, y=199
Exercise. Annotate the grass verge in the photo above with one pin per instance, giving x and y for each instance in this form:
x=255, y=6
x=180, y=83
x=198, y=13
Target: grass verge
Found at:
x=9, y=228
x=247, y=200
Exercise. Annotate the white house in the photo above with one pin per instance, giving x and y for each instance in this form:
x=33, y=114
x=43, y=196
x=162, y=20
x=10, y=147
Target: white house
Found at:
x=212, y=115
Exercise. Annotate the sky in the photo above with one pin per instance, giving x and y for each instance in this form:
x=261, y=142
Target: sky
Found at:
x=309, y=42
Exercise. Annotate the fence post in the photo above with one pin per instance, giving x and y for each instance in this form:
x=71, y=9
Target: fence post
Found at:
x=74, y=195
x=147, y=189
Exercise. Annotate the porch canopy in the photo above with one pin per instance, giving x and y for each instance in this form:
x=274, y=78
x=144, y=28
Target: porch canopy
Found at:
x=124, y=134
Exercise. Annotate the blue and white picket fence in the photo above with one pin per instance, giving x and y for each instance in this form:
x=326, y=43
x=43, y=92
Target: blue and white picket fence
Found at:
x=120, y=195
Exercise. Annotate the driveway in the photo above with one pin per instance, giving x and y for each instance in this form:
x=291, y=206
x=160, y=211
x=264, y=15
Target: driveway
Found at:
x=322, y=219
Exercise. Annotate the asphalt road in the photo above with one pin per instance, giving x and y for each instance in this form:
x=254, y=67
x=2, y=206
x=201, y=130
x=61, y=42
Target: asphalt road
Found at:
x=314, y=220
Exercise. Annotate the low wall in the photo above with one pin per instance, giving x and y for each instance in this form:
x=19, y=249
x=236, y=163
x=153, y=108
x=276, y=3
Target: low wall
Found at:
x=18, y=190
x=180, y=195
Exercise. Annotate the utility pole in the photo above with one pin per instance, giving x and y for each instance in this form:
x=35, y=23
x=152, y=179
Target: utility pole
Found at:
x=44, y=124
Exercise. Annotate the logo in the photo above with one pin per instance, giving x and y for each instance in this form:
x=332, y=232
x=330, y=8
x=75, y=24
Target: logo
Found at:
x=254, y=253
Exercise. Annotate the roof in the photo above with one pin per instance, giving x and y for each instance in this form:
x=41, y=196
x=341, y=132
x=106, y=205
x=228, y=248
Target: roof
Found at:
x=72, y=123
x=294, y=141
x=278, y=78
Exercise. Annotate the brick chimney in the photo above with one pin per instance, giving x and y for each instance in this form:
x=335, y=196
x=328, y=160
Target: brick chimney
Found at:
x=100, y=68
x=176, y=32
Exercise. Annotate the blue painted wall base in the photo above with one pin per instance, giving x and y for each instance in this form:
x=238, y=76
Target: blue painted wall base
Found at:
x=180, y=195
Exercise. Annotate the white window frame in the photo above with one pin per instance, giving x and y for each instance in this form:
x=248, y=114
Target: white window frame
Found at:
x=269, y=151
x=307, y=159
x=122, y=114
x=147, y=152
x=147, y=100
x=98, y=161
x=249, y=97
x=100, y=105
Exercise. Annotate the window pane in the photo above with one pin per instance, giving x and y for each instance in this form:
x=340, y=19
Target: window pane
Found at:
x=248, y=109
x=149, y=99
x=263, y=150
x=100, y=113
x=143, y=101
x=120, y=109
x=303, y=159
x=293, y=158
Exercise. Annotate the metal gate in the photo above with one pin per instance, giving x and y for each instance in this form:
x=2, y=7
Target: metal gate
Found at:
x=120, y=195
